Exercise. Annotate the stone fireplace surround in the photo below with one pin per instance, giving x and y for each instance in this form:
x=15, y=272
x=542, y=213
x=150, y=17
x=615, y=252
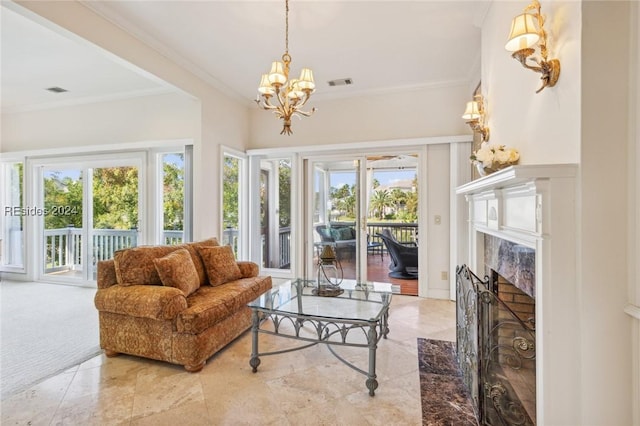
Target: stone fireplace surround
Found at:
x=531, y=208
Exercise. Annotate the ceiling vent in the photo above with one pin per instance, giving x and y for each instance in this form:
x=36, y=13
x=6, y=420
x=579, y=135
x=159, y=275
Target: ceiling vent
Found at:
x=56, y=89
x=341, y=82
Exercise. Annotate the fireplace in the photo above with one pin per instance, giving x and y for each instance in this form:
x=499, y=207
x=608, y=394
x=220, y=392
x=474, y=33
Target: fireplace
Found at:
x=496, y=348
x=521, y=231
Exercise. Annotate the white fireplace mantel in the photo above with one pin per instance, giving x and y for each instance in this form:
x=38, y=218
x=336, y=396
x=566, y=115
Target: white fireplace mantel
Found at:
x=535, y=205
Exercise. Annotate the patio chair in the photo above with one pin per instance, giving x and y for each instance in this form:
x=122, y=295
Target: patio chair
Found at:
x=404, y=259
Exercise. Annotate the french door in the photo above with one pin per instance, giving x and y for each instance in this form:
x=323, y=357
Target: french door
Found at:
x=353, y=199
x=336, y=217
x=89, y=209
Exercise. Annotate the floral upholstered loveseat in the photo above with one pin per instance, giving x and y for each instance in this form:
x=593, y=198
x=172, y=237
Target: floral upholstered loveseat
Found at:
x=179, y=304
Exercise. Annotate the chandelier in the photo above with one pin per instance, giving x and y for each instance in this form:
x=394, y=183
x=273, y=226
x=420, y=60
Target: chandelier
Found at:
x=291, y=95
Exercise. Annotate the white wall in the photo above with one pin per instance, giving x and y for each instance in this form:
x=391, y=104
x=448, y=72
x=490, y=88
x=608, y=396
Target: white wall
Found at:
x=605, y=328
x=149, y=118
x=223, y=120
x=395, y=115
x=584, y=120
x=438, y=204
x=544, y=127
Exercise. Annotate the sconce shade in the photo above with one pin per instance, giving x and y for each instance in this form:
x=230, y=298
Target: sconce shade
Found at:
x=472, y=112
x=524, y=33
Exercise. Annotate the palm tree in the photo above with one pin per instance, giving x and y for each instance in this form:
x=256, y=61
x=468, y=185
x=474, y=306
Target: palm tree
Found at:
x=380, y=201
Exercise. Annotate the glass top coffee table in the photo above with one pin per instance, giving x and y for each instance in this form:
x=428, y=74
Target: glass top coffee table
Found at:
x=358, y=317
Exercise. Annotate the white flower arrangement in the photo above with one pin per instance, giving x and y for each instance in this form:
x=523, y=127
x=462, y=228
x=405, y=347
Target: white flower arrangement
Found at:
x=494, y=157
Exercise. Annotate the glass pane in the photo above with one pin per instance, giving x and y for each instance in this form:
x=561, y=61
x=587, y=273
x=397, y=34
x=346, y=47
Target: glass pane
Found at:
x=275, y=214
x=173, y=198
x=115, y=211
x=336, y=232
x=230, y=202
x=13, y=241
x=63, y=196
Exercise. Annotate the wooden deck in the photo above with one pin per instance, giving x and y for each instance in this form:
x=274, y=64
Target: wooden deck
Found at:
x=378, y=270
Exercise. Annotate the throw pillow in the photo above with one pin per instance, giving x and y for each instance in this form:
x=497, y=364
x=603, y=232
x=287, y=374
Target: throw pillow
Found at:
x=177, y=270
x=220, y=264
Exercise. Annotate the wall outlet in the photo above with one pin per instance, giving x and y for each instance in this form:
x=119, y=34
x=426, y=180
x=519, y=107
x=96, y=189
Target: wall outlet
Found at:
x=444, y=275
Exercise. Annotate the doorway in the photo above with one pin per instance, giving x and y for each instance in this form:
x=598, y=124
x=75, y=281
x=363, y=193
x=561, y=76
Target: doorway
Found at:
x=351, y=201
x=90, y=209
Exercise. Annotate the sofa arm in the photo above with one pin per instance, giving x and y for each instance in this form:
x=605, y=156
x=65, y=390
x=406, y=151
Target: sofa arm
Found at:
x=142, y=301
x=248, y=269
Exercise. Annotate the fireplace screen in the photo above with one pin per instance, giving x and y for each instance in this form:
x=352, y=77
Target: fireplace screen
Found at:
x=496, y=352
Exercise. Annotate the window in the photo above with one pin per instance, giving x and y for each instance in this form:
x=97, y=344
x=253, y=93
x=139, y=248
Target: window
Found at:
x=13, y=214
x=234, y=192
x=173, y=191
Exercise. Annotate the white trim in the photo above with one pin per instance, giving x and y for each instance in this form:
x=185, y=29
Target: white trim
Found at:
x=243, y=198
x=424, y=247
x=88, y=100
x=96, y=149
x=365, y=146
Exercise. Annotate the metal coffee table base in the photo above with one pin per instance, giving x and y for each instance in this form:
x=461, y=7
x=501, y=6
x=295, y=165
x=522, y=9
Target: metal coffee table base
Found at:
x=325, y=331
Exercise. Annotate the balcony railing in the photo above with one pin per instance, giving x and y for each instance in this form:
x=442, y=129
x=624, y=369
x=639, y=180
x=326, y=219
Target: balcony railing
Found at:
x=63, y=247
x=404, y=232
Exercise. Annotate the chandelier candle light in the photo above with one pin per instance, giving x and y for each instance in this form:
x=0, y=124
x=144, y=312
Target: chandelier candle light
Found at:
x=290, y=94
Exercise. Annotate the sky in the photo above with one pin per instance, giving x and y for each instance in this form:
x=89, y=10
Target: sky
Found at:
x=384, y=177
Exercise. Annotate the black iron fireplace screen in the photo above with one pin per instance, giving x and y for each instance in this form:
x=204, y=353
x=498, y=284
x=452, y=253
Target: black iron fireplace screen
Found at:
x=496, y=353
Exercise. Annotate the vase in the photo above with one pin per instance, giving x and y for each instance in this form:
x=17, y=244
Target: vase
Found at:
x=484, y=171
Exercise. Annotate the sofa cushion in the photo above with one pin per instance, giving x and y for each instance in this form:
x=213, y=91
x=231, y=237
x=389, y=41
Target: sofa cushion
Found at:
x=177, y=270
x=220, y=264
x=134, y=266
x=209, y=305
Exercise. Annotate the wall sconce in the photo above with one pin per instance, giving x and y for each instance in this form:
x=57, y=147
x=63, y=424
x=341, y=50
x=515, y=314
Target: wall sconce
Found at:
x=524, y=35
x=474, y=114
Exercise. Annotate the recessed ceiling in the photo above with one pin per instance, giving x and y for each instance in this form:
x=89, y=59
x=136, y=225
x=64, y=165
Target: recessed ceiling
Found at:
x=36, y=59
x=381, y=45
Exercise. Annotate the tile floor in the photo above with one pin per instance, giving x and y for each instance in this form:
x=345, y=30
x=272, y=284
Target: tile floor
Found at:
x=307, y=387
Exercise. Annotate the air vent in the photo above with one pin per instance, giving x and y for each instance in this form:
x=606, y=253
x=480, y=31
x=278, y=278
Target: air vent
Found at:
x=56, y=89
x=340, y=82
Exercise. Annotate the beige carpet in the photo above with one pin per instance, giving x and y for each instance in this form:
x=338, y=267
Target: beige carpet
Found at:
x=44, y=329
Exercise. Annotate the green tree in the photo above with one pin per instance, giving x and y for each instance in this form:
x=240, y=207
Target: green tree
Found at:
x=398, y=198
x=62, y=195
x=115, y=198
x=285, y=192
x=230, y=192
x=379, y=202
x=173, y=195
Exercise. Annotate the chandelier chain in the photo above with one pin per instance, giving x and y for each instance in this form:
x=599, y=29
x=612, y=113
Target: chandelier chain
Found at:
x=286, y=28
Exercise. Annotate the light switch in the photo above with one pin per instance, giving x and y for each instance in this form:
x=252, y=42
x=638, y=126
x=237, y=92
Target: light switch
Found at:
x=437, y=219
x=444, y=275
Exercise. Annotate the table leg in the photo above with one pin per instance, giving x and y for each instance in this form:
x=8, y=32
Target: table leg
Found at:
x=254, y=362
x=372, y=383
